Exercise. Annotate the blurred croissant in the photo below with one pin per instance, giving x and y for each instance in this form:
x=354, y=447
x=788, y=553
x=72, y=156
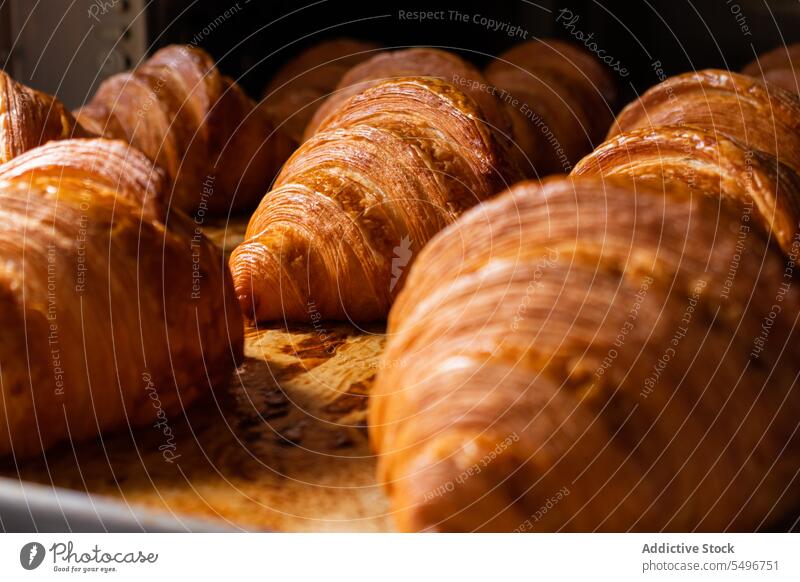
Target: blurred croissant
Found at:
x=353, y=206
x=220, y=150
x=777, y=66
x=737, y=106
x=560, y=99
x=300, y=86
x=589, y=354
x=118, y=313
x=29, y=118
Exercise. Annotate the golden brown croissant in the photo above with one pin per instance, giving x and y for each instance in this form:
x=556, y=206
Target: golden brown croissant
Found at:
x=761, y=117
x=111, y=164
x=416, y=62
x=300, y=86
x=219, y=149
x=589, y=354
x=115, y=316
x=354, y=205
x=560, y=99
x=706, y=163
x=777, y=66
x=29, y=118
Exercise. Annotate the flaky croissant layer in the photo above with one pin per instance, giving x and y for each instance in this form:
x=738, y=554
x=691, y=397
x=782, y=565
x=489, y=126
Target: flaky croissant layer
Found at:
x=595, y=348
x=416, y=62
x=762, y=117
x=706, y=163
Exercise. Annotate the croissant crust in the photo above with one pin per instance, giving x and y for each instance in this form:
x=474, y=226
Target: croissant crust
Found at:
x=581, y=346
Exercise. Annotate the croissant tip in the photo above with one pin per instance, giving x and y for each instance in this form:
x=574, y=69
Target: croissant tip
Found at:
x=248, y=303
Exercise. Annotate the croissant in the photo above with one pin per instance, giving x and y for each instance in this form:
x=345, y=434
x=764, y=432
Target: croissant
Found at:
x=560, y=100
x=353, y=206
x=707, y=163
x=109, y=164
x=737, y=106
x=118, y=313
x=591, y=354
x=300, y=86
x=219, y=149
x=29, y=118
x=416, y=62
x=777, y=66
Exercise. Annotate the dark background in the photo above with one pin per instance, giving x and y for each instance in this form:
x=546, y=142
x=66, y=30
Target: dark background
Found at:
x=67, y=47
x=681, y=34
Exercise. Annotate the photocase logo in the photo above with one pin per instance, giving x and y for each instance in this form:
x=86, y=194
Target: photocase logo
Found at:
x=402, y=254
x=31, y=555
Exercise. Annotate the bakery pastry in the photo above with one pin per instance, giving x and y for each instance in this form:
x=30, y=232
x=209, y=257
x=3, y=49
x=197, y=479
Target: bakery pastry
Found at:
x=708, y=163
x=119, y=313
x=561, y=101
x=220, y=151
x=389, y=161
x=760, y=117
x=417, y=62
x=589, y=354
x=556, y=340
x=111, y=165
x=302, y=84
x=29, y=118
x=354, y=205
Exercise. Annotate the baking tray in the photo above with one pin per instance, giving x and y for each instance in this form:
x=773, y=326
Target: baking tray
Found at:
x=283, y=448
